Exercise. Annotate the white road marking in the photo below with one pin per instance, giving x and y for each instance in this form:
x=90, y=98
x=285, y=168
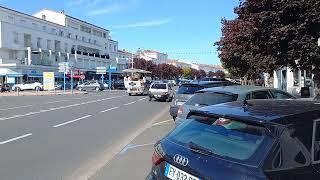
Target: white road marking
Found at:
x=130, y=103
x=109, y=109
x=142, y=99
x=68, y=122
x=15, y=107
x=51, y=102
x=14, y=139
x=57, y=108
x=162, y=122
x=133, y=146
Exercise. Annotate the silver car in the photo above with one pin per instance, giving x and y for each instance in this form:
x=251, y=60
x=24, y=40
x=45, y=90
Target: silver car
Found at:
x=217, y=95
x=91, y=85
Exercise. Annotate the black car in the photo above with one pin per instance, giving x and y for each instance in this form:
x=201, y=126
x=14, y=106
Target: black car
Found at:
x=254, y=140
x=118, y=84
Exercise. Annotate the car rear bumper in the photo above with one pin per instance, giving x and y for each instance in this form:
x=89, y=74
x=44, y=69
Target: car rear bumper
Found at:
x=159, y=96
x=151, y=176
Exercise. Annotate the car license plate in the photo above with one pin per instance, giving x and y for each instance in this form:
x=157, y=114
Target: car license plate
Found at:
x=176, y=174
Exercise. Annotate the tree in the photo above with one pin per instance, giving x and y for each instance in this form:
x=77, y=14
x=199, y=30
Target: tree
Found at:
x=187, y=72
x=270, y=34
x=220, y=74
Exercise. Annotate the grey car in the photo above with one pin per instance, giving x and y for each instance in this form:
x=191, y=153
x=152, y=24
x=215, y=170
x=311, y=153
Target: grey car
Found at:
x=91, y=85
x=186, y=91
x=217, y=95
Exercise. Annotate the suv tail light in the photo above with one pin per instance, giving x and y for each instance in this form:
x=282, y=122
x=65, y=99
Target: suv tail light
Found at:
x=157, y=156
x=180, y=111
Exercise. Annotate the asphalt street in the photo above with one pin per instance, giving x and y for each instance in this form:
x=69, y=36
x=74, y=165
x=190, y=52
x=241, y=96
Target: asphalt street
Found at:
x=70, y=137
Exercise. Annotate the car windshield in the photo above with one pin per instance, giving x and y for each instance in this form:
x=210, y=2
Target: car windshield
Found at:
x=159, y=86
x=188, y=89
x=228, y=139
x=207, y=99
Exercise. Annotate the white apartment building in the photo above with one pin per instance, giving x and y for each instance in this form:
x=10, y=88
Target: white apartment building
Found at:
x=125, y=57
x=179, y=64
x=33, y=44
x=151, y=55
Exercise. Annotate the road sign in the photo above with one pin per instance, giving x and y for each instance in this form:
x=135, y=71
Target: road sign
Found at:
x=101, y=70
x=113, y=68
x=64, y=67
x=48, y=80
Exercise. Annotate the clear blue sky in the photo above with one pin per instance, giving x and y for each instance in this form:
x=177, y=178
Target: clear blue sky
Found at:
x=185, y=29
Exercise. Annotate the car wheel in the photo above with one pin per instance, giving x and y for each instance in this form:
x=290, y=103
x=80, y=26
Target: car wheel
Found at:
x=37, y=88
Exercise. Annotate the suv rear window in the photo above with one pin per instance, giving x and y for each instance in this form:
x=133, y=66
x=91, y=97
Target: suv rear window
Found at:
x=189, y=89
x=207, y=99
x=159, y=86
x=231, y=140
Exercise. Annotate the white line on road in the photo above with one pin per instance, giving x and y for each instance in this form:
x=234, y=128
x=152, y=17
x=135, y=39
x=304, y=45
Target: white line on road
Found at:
x=68, y=122
x=14, y=139
x=51, y=102
x=109, y=109
x=15, y=107
x=162, y=122
x=130, y=103
x=56, y=108
x=142, y=99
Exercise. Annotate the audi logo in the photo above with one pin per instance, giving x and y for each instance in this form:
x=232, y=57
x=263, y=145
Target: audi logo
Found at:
x=132, y=84
x=181, y=160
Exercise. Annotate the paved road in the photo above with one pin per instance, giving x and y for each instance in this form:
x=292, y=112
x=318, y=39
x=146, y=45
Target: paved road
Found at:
x=69, y=137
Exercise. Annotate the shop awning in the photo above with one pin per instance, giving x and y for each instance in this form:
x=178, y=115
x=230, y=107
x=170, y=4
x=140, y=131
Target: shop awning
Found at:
x=14, y=75
x=35, y=75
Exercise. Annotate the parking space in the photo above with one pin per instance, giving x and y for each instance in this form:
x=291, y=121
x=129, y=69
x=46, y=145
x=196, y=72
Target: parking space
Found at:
x=134, y=161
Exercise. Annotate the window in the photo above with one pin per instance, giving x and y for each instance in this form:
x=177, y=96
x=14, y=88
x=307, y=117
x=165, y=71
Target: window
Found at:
x=225, y=138
x=38, y=42
x=281, y=95
x=316, y=142
x=44, y=17
x=44, y=28
x=159, y=86
x=83, y=38
x=290, y=153
x=94, y=41
x=76, y=37
x=110, y=46
x=53, y=30
x=66, y=47
x=188, y=89
x=34, y=25
x=261, y=95
x=15, y=37
x=209, y=98
x=85, y=29
x=11, y=19
x=104, y=35
x=114, y=48
x=69, y=35
x=89, y=40
x=49, y=46
x=60, y=33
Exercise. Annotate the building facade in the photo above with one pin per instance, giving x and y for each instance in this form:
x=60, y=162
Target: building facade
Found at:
x=154, y=56
x=33, y=44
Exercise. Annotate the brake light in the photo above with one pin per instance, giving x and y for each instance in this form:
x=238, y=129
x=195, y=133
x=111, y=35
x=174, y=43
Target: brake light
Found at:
x=157, y=156
x=223, y=121
x=180, y=111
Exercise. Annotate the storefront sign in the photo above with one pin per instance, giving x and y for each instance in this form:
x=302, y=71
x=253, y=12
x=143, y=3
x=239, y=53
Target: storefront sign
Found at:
x=48, y=80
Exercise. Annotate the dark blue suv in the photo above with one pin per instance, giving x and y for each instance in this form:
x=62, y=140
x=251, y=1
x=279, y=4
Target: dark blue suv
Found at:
x=254, y=140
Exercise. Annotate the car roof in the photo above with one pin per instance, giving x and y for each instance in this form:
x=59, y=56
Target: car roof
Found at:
x=236, y=89
x=270, y=110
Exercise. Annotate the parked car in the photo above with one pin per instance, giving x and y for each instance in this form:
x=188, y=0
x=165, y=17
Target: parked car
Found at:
x=185, y=91
x=60, y=85
x=91, y=85
x=160, y=91
x=211, y=96
x=28, y=86
x=119, y=84
x=213, y=79
x=256, y=139
x=106, y=84
x=5, y=88
x=172, y=82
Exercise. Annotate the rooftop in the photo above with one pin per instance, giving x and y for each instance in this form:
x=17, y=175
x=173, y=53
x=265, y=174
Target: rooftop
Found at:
x=263, y=110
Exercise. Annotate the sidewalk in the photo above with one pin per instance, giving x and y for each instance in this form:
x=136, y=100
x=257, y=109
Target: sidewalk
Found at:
x=41, y=93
